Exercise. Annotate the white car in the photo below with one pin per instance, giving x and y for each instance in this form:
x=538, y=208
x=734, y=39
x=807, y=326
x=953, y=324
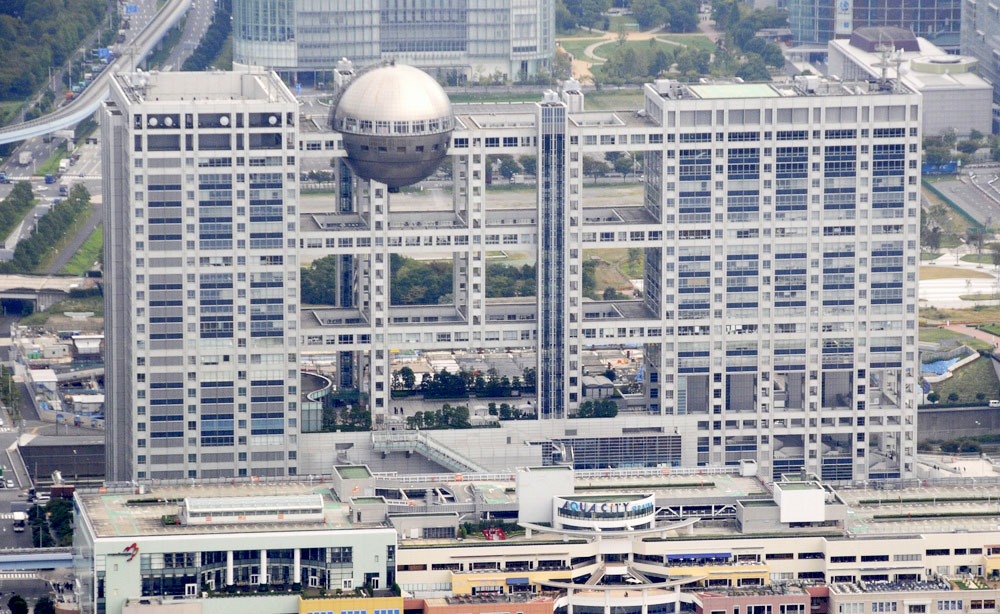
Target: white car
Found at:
x=10, y=483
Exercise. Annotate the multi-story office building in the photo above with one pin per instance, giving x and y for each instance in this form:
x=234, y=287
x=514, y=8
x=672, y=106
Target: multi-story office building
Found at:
x=201, y=263
x=981, y=40
x=456, y=40
x=777, y=320
x=814, y=22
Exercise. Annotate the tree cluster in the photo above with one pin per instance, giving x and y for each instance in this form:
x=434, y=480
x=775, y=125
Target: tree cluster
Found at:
x=504, y=280
x=10, y=392
x=345, y=412
x=37, y=34
x=677, y=15
x=15, y=207
x=51, y=524
x=601, y=408
x=447, y=417
x=630, y=64
x=319, y=282
x=213, y=40
x=741, y=24
x=445, y=385
x=583, y=13
x=49, y=232
x=420, y=283
x=508, y=412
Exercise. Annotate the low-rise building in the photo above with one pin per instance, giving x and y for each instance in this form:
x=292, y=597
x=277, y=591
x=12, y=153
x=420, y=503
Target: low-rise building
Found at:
x=954, y=95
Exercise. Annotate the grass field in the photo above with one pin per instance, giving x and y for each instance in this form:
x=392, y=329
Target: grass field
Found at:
x=93, y=304
x=993, y=329
x=933, y=334
x=575, y=46
x=949, y=272
x=929, y=255
x=78, y=224
x=984, y=258
x=978, y=377
x=610, y=49
x=936, y=335
x=979, y=297
x=617, y=21
x=698, y=41
x=86, y=256
x=51, y=164
x=985, y=314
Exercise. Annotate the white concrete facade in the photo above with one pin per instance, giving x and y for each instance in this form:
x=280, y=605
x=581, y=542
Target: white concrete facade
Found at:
x=779, y=224
x=200, y=240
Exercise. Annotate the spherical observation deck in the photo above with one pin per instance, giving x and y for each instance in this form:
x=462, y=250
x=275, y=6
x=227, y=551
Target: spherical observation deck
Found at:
x=396, y=122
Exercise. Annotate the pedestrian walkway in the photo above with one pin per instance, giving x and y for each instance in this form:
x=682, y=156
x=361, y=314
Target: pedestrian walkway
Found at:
x=17, y=575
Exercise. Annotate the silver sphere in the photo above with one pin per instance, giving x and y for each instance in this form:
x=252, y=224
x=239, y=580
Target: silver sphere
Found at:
x=396, y=122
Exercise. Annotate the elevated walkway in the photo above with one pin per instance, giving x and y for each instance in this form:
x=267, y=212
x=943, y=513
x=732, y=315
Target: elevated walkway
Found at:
x=424, y=444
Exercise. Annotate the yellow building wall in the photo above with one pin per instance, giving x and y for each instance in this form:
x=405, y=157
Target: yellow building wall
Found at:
x=336, y=605
x=463, y=583
x=733, y=573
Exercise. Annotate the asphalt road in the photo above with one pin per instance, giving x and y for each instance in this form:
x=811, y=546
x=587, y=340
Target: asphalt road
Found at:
x=199, y=17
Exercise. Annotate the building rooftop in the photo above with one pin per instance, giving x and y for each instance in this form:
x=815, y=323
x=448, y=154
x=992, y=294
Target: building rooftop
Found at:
x=923, y=65
x=217, y=86
x=354, y=472
x=125, y=513
x=734, y=90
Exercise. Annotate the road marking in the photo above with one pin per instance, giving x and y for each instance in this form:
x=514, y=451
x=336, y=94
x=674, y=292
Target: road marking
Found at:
x=13, y=575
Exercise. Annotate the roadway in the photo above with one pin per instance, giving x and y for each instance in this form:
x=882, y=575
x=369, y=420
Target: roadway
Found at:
x=199, y=17
x=90, y=99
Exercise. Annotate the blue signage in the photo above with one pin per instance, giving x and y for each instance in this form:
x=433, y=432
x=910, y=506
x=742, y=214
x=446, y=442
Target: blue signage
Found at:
x=607, y=508
x=103, y=52
x=131, y=8
x=298, y=88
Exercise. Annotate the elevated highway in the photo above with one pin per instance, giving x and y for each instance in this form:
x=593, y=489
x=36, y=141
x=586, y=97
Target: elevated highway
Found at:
x=90, y=99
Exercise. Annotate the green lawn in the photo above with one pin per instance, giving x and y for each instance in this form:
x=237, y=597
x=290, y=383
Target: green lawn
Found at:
x=974, y=378
x=611, y=48
x=86, y=256
x=929, y=255
x=51, y=165
x=983, y=258
x=78, y=225
x=993, y=329
x=623, y=20
x=93, y=304
x=936, y=335
x=979, y=297
x=575, y=46
x=699, y=41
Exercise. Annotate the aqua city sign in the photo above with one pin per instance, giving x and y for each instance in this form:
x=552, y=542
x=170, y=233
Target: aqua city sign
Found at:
x=607, y=508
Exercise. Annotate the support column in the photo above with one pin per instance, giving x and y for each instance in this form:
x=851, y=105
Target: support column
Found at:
x=262, y=576
x=297, y=567
x=229, y=568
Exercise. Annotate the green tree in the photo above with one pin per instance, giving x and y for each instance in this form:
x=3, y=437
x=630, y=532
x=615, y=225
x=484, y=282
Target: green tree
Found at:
x=623, y=165
x=17, y=605
x=937, y=155
x=975, y=135
x=753, y=69
x=595, y=168
x=649, y=14
x=529, y=164
x=319, y=282
x=409, y=379
x=968, y=147
x=509, y=167
x=44, y=605
x=661, y=63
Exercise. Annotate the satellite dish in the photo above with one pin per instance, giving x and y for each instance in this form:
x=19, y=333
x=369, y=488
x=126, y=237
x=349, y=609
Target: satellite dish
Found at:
x=224, y=120
x=272, y=120
x=153, y=122
x=168, y=121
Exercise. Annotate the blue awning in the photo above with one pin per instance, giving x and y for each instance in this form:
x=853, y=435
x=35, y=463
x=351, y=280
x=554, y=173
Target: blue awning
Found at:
x=709, y=555
x=517, y=581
